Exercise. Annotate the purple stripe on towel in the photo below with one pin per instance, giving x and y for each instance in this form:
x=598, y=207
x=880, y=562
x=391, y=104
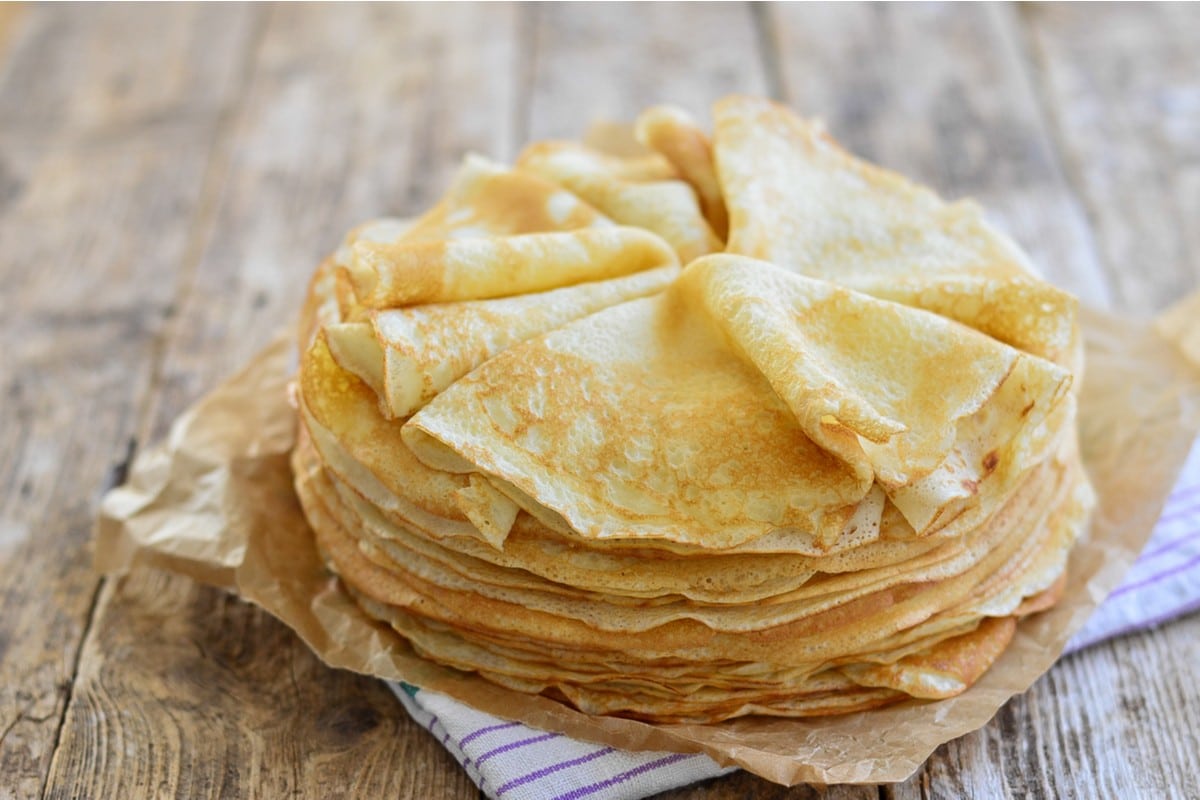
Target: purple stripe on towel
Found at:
x=476, y=734
x=504, y=748
x=1141, y=624
x=1181, y=492
x=1155, y=578
x=1166, y=547
x=433, y=720
x=1159, y=619
x=592, y=788
x=1179, y=513
x=550, y=770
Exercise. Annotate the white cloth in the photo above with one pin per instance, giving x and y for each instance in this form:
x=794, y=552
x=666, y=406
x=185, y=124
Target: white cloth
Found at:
x=511, y=761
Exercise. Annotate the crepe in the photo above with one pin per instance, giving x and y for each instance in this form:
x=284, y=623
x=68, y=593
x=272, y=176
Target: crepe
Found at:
x=409, y=355
x=409, y=273
x=829, y=390
x=674, y=134
x=626, y=191
x=800, y=201
x=736, y=425
x=807, y=649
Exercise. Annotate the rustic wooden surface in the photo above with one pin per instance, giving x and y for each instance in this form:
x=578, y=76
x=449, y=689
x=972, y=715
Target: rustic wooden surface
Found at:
x=169, y=175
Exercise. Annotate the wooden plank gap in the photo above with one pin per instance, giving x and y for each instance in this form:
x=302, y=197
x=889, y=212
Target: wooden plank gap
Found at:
x=217, y=164
x=1032, y=65
x=219, y=159
x=528, y=16
x=88, y=632
x=768, y=49
x=426, y=131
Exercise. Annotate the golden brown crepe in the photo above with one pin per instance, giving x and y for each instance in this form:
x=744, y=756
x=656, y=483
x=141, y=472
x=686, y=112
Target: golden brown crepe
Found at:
x=739, y=425
x=678, y=138
x=409, y=273
x=631, y=195
x=800, y=201
x=830, y=392
x=409, y=355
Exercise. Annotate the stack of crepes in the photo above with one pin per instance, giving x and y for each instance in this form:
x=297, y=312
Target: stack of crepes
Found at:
x=733, y=425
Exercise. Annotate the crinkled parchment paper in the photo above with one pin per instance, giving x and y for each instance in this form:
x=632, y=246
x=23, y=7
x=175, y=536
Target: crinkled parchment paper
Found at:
x=215, y=502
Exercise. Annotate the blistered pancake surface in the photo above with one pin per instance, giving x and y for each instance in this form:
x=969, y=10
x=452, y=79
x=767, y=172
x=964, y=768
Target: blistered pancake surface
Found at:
x=738, y=425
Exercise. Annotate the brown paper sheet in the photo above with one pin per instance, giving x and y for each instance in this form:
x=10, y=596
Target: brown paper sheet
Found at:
x=215, y=502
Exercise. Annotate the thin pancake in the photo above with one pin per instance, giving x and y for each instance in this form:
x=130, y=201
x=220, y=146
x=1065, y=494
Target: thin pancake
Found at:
x=409, y=355
x=797, y=488
x=799, y=200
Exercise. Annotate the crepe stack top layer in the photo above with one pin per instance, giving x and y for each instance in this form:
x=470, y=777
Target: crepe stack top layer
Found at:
x=740, y=425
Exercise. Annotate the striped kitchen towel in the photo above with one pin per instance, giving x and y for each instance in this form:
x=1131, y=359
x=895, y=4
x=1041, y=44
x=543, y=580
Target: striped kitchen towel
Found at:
x=512, y=761
x=1165, y=581
x=515, y=762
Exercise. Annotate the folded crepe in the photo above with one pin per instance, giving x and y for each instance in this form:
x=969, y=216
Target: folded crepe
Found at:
x=409, y=355
x=800, y=201
x=620, y=423
x=736, y=425
x=640, y=192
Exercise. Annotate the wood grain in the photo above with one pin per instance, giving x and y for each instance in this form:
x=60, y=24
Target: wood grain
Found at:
x=187, y=692
x=169, y=175
x=344, y=117
x=608, y=61
x=91, y=160
x=1125, y=104
x=1113, y=721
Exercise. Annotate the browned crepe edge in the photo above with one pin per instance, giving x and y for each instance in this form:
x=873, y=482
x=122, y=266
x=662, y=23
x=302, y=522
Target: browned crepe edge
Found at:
x=215, y=502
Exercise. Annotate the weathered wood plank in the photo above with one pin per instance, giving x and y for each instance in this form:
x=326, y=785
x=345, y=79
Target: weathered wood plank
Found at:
x=608, y=61
x=742, y=786
x=941, y=94
x=1117, y=720
x=189, y=693
x=84, y=288
x=350, y=113
x=185, y=692
x=95, y=76
x=1120, y=86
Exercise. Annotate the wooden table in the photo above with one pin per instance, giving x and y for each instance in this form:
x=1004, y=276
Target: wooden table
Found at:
x=170, y=175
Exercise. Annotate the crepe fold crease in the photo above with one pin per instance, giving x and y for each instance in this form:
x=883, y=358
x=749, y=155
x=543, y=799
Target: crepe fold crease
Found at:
x=701, y=447
x=822, y=480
